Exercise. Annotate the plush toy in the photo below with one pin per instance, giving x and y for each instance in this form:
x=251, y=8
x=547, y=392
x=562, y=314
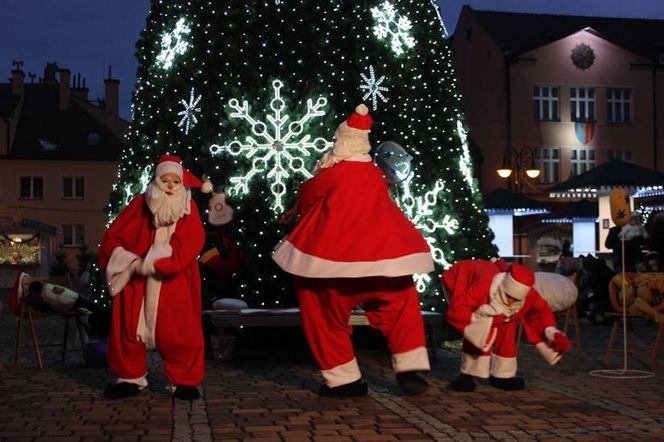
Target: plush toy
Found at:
x=226, y=257
x=643, y=294
x=621, y=211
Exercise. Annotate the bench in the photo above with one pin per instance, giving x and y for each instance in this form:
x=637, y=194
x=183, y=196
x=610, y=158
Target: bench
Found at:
x=223, y=344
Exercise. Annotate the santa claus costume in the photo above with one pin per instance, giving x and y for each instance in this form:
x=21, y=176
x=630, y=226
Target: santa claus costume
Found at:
x=353, y=245
x=488, y=299
x=149, y=254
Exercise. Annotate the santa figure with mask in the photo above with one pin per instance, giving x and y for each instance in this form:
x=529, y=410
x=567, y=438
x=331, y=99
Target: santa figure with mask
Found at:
x=149, y=254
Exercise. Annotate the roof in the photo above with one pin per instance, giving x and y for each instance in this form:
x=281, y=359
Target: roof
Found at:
x=8, y=102
x=583, y=210
x=612, y=174
x=503, y=201
x=516, y=32
x=46, y=132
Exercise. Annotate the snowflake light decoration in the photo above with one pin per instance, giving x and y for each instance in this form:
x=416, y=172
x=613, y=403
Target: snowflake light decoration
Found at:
x=420, y=211
x=189, y=112
x=373, y=88
x=389, y=26
x=281, y=146
x=465, y=162
x=173, y=43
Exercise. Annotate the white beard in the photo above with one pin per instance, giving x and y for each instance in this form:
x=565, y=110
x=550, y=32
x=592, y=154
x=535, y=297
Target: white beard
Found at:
x=167, y=209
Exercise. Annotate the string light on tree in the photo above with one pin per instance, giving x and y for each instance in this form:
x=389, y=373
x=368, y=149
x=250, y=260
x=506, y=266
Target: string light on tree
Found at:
x=283, y=147
x=465, y=161
x=390, y=27
x=173, y=43
x=189, y=112
x=373, y=88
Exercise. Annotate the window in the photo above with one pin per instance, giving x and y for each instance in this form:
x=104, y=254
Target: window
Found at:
x=548, y=162
x=73, y=235
x=621, y=154
x=582, y=103
x=545, y=102
x=618, y=105
x=583, y=160
x=31, y=187
x=73, y=187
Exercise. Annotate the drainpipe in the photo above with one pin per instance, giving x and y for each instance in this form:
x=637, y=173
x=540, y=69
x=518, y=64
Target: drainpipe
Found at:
x=654, y=114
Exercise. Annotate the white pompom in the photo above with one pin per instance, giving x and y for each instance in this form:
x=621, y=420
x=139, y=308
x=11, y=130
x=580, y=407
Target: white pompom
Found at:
x=361, y=109
x=206, y=187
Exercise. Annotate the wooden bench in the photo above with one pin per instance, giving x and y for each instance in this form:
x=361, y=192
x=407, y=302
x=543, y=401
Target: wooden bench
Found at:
x=223, y=344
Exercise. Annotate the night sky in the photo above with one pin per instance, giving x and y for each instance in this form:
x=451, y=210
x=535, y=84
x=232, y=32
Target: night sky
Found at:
x=88, y=35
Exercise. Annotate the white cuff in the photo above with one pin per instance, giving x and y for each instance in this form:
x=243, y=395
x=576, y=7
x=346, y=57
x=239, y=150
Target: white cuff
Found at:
x=412, y=360
x=550, y=332
x=342, y=374
x=480, y=332
x=550, y=355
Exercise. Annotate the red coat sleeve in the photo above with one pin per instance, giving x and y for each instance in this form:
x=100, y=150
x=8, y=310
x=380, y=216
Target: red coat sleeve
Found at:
x=123, y=232
x=467, y=292
x=187, y=242
x=313, y=190
x=538, y=317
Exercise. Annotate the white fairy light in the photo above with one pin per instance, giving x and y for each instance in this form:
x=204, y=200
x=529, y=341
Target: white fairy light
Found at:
x=189, y=112
x=373, y=88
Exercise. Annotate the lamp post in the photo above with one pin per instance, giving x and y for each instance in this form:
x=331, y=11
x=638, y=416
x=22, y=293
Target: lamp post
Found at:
x=523, y=161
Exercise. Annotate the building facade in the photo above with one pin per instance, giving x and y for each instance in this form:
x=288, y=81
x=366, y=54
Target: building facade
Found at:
x=58, y=162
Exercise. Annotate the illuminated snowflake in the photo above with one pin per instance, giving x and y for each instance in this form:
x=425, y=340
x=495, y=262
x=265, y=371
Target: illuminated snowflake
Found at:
x=173, y=43
x=373, y=88
x=389, y=26
x=420, y=211
x=282, y=148
x=465, y=162
x=189, y=112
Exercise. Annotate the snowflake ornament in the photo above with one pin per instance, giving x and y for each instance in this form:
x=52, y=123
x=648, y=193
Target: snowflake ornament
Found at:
x=390, y=27
x=281, y=149
x=173, y=43
x=373, y=88
x=420, y=211
x=189, y=112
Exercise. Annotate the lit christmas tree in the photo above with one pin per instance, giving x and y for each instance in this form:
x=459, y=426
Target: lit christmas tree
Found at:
x=250, y=93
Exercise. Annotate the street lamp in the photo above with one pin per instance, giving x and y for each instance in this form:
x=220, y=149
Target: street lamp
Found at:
x=524, y=162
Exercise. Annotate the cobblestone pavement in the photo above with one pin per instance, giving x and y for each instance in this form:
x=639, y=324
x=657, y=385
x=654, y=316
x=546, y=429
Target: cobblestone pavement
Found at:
x=270, y=395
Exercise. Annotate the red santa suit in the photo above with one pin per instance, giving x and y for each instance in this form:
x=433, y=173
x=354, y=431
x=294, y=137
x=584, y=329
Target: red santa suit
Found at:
x=154, y=277
x=351, y=246
x=479, y=310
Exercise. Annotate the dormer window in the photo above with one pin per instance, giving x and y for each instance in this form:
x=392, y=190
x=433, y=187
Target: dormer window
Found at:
x=92, y=139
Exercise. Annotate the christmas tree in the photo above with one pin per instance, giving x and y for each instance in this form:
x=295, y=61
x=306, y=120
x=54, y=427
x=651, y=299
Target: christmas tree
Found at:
x=250, y=93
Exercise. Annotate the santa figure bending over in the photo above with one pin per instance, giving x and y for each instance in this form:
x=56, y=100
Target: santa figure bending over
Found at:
x=488, y=300
x=352, y=246
x=149, y=254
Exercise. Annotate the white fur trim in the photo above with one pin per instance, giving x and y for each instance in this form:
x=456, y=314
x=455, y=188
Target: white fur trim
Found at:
x=120, y=269
x=412, y=360
x=360, y=158
x=293, y=261
x=169, y=167
x=502, y=367
x=480, y=332
x=141, y=381
x=342, y=374
x=477, y=366
x=550, y=355
x=157, y=251
x=514, y=288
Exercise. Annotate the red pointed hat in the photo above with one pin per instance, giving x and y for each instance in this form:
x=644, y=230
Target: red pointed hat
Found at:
x=518, y=281
x=173, y=164
x=360, y=119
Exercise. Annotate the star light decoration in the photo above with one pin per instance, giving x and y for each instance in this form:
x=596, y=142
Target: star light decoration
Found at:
x=389, y=26
x=373, y=88
x=173, y=43
x=189, y=112
x=281, y=148
x=420, y=211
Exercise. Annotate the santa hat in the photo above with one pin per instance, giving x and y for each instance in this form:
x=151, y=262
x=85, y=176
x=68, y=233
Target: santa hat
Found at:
x=518, y=281
x=173, y=164
x=360, y=119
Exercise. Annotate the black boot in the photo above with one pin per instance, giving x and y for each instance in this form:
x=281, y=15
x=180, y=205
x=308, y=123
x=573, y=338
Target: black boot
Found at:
x=463, y=382
x=510, y=384
x=411, y=383
x=121, y=390
x=358, y=388
x=186, y=392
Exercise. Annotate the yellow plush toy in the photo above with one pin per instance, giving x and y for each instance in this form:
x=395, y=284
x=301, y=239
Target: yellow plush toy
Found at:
x=643, y=294
x=621, y=211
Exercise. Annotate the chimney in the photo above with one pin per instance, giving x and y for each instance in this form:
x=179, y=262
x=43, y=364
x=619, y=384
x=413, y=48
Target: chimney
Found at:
x=64, y=92
x=49, y=73
x=18, y=82
x=111, y=98
x=79, y=90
